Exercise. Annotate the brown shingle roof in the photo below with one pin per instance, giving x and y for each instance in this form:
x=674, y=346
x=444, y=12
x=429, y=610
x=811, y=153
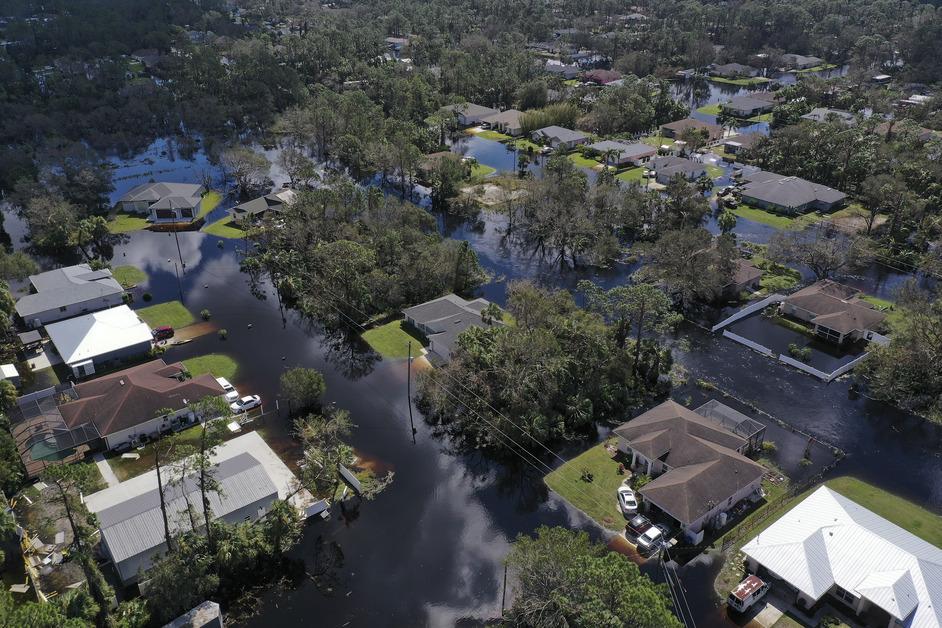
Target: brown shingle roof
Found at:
x=705, y=469
x=127, y=398
x=679, y=126
x=836, y=307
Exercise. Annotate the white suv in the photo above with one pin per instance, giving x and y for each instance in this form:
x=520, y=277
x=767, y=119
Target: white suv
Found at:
x=231, y=393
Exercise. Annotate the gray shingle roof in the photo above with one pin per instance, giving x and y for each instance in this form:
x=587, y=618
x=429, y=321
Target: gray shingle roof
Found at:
x=153, y=192
x=67, y=286
x=135, y=525
x=447, y=317
x=823, y=114
x=561, y=134
x=630, y=151
x=789, y=192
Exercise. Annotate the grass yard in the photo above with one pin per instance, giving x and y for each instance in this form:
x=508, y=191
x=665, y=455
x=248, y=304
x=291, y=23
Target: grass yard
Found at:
x=571, y=82
x=125, y=468
x=488, y=134
x=714, y=172
x=172, y=313
x=126, y=223
x=762, y=117
x=224, y=229
x=742, y=82
x=479, y=171
x=894, y=315
x=817, y=68
x=787, y=621
x=391, y=340
x=776, y=277
x=657, y=140
x=711, y=110
x=128, y=276
x=583, y=162
x=596, y=498
x=209, y=202
x=522, y=143
x=778, y=221
x=217, y=364
x=633, y=174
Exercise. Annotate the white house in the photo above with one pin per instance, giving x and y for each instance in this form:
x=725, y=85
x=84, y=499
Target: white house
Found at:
x=66, y=292
x=830, y=546
x=92, y=340
x=164, y=202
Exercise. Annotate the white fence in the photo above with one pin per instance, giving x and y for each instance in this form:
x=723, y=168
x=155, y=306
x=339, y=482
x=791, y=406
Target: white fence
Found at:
x=749, y=309
x=826, y=377
x=745, y=341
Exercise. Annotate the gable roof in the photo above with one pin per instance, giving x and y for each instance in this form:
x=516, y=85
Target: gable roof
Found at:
x=748, y=103
x=828, y=539
x=836, y=306
x=561, y=134
x=447, y=316
x=155, y=191
x=745, y=272
x=670, y=166
x=823, y=114
x=510, y=117
x=470, y=109
x=274, y=201
x=790, y=192
x=679, y=126
x=67, y=286
x=625, y=150
x=121, y=400
x=91, y=335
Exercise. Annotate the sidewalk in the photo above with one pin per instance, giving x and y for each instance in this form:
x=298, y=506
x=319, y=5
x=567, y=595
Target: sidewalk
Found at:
x=105, y=469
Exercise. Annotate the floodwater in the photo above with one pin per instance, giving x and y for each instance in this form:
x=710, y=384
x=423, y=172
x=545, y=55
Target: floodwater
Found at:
x=428, y=551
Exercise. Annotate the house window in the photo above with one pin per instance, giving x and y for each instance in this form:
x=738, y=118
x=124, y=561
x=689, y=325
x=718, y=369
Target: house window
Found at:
x=186, y=212
x=845, y=596
x=828, y=334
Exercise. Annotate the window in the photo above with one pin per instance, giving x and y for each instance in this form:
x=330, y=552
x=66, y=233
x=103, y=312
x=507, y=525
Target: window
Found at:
x=828, y=334
x=845, y=596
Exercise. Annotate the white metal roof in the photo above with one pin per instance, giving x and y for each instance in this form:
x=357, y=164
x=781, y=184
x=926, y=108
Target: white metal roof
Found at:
x=828, y=539
x=86, y=337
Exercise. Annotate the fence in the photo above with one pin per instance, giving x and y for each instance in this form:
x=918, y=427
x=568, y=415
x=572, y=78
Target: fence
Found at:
x=749, y=309
x=745, y=341
x=826, y=377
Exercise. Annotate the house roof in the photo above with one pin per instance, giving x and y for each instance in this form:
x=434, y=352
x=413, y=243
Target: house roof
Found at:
x=447, y=317
x=561, y=134
x=121, y=400
x=823, y=114
x=135, y=525
x=602, y=77
x=274, y=201
x=679, y=126
x=836, y=306
x=745, y=272
x=510, y=117
x=155, y=191
x=630, y=151
x=471, y=109
x=67, y=286
x=828, y=539
x=91, y=335
x=745, y=140
x=747, y=103
x=670, y=166
x=733, y=68
x=790, y=192
x=704, y=467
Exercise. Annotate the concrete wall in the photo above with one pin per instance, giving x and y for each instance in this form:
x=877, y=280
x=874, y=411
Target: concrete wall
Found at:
x=735, y=498
x=749, y=309
x=124, y=353
x=76, y=309
x=149, y=428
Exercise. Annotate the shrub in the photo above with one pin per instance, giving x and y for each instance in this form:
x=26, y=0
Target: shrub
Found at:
x=223, y=334
x=769, y=446
x=205, y=314
x=705, y=385
x=586, y=475
x=799, y=353
x=805, y=462
x=639, y=480
x=147, y=296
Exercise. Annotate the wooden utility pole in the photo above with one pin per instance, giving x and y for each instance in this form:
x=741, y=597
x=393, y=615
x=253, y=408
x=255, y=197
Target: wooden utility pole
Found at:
x=409, y=392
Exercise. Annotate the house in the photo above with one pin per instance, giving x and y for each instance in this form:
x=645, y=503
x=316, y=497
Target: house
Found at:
x=566, y=71
x=733, y=70
x=469, y=114
x=800, y=62
x=148, y=57
x=666, y=168
x=748, y=106
x=396, y=44
x=914, y=100
x=67, y=292
x=89, y=342
x=835, y=311
x=829, y=546
x=790, y=195
x=206, y=615
x=823, y=114
x=559, y=138
x=624, y=154
x=676, y=129
x=442, y=320
x=131, y=403
x=601, y=77
x=741, y=142
x=10, y=374
x=922, y=133
x=260, y=207
x=163, y=202
x=696, y=461
x=881, y=79
x=746, y=278
x=507, y=121
x=251, y=477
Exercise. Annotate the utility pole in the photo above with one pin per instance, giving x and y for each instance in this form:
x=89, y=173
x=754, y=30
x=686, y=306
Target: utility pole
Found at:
x=503, y=596
x=176, y=269
x=409, y=392
x=179, y=253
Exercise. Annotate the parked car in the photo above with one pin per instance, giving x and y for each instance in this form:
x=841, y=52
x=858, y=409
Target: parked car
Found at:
x=231, y=393
x=627, y=502
x=651, y=540
x=666, y=531
x=747, y=593
x=162, y=333
x=246, y=403
x=638, y=525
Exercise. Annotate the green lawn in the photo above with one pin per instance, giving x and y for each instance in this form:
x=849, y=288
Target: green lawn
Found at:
x=714, y=172
x=126, y=223
x=128, y=276
x=584, y=162
x=209, y=202
x=224, y=229
x=172, y=313
x=492, y=135
x=787, y=621
x=762, y=117
x=596, y=498
x=657, y=141
x=217, y=364
x=571, y=82
x=742, y=82
x=817, y=68
x=479, y=171
x=776, y=277
x=711, y=110
x=526, y=145
x=392, y=339
x=632, y=174
x=125, y=468
x=894, y=315
x=772, y=219
x=911, y=517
